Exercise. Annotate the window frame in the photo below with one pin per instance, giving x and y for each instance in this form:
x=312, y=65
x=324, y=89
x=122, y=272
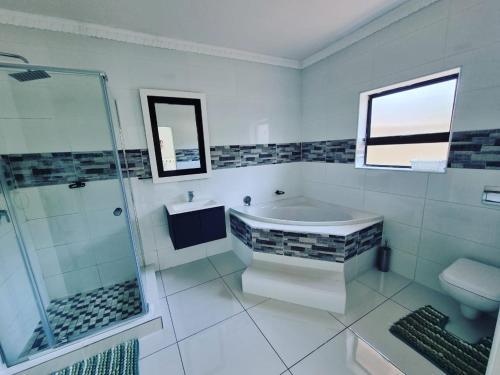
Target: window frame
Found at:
x=364, y=127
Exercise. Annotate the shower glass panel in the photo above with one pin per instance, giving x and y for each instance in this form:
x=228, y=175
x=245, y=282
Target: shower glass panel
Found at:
x=67, y=194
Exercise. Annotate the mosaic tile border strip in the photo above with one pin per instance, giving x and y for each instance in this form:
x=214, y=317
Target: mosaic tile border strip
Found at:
x=187, y=154
x=236, y=156
x=325, y=247
x=470, y=149
x=478, y=149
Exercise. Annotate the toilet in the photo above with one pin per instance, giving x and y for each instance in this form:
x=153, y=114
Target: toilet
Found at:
x=475, y=285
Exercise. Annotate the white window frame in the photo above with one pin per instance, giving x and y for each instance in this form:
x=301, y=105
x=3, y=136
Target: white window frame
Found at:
x=364, y=98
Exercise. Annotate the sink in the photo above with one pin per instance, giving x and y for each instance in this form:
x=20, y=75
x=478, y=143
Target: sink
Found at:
x=181, y=207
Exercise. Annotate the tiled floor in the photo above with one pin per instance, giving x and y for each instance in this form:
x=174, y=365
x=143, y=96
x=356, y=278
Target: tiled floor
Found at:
x=217, y=329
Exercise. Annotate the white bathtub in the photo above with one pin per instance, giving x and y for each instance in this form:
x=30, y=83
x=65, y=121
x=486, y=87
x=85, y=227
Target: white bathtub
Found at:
x=282, y=241
x=304, y=211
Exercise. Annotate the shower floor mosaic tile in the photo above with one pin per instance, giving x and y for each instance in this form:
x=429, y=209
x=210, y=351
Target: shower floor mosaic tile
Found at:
x=78, y=314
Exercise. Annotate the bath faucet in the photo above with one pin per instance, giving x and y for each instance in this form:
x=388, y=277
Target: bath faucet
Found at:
x=190, y=195
x=247, y=200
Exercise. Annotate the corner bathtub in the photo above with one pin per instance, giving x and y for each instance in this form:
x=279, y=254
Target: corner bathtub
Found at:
x=307, y=230
x=317, y=216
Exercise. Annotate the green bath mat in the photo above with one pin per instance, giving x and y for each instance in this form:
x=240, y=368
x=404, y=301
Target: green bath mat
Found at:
x=424, y=331
x=123, y=359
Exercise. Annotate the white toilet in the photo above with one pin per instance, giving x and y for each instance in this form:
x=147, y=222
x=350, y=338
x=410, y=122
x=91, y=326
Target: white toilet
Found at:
x=475, y=285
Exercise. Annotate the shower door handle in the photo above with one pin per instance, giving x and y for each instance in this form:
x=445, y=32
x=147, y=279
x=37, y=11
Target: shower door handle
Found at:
x=6, y=214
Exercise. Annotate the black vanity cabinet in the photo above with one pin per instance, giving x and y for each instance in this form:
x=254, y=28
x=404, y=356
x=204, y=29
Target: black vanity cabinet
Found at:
x=195, y=227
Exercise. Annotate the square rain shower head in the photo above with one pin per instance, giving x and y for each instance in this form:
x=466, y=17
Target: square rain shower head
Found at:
x=30, y=75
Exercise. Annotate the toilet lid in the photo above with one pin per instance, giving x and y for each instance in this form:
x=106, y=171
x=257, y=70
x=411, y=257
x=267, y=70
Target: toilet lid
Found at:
x=475, y=277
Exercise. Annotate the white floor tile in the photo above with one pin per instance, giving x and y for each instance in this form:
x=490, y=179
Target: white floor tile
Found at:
x=187, y=275
x=374, y=328
x=360, y=300
x=294, y=330
x=386, y=283
x=160, y=339
x=247, y=300
x=166, y=361
x=202, y=306
x=233, y=347
x=227, y=262
x=345, y=354
x=416, y=295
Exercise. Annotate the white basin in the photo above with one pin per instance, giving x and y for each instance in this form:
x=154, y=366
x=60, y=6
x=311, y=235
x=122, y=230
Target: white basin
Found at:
x=181, y=207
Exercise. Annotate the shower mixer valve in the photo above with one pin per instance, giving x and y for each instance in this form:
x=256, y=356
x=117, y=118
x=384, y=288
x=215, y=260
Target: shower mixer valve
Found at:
x=6, y=214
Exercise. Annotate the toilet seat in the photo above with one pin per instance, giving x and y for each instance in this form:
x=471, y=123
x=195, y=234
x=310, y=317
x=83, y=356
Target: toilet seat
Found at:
x=474, y=277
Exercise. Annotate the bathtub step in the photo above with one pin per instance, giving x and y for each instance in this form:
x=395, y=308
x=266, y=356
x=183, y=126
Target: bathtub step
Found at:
x=318, y=288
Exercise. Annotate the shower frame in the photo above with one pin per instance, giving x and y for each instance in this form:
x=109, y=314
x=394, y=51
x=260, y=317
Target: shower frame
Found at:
x=53, y=345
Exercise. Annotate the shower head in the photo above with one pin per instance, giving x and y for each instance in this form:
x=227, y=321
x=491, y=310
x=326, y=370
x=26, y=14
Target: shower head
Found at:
x=30, y=75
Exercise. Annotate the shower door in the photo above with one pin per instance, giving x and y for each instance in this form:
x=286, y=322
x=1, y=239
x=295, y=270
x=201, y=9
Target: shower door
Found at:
x=68, y=206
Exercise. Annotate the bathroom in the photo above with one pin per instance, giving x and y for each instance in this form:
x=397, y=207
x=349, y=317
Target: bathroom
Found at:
x=87, y=211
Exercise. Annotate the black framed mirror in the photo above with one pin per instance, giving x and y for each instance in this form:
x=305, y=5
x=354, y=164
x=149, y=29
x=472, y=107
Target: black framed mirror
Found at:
x=177, y=134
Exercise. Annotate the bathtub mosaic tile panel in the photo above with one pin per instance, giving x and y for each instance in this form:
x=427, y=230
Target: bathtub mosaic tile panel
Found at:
x=314, y=151
x=267, y=241
x=341, y=151
x=241, y=230
x=225, y=156
x=78, y=314
x=307, y=245
x=366, y=239
x=187, y=154
x=315, y=246
x=478, y=149
x=288, y=152
x=258, y=154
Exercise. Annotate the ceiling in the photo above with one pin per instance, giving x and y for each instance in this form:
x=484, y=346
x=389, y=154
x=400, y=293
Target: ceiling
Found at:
x=292, y=29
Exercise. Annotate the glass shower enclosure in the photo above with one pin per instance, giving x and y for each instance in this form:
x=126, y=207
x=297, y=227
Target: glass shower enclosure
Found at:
x=68, y=266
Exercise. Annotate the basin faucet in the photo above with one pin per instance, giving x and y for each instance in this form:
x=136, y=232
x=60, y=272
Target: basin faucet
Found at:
x=190, y=195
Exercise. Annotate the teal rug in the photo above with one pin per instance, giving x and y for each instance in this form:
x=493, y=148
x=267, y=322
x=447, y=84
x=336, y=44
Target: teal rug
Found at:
x=123, y=359
x=424, y=331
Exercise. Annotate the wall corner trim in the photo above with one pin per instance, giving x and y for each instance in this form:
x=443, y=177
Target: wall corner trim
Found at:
x=402, y=11
x=48, y=23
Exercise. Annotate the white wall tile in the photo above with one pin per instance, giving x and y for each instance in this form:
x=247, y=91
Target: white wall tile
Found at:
x=427, y=273
x=403, y=263
x=444, y=249
x=472, y=223
x=344, y=175
x=401, y=236
x=462, y=186
x=397, y=182
x=405, y=210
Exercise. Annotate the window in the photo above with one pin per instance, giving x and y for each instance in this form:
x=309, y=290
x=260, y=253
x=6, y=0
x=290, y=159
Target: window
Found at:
x=407, y=126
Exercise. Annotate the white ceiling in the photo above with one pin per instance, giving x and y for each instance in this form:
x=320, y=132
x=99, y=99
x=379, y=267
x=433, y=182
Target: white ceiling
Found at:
x=293, y=29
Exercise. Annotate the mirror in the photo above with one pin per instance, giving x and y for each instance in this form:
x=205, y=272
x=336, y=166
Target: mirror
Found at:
x=177, y=136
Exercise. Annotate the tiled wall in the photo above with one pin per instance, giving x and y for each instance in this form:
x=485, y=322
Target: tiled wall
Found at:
x=75, y=240
x=477, y=149
x=248, y=104
x=19, y=311
x=324, y=247
x=430, y=219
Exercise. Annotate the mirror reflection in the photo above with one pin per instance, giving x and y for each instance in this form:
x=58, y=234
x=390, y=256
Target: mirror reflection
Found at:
x=178, y=136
